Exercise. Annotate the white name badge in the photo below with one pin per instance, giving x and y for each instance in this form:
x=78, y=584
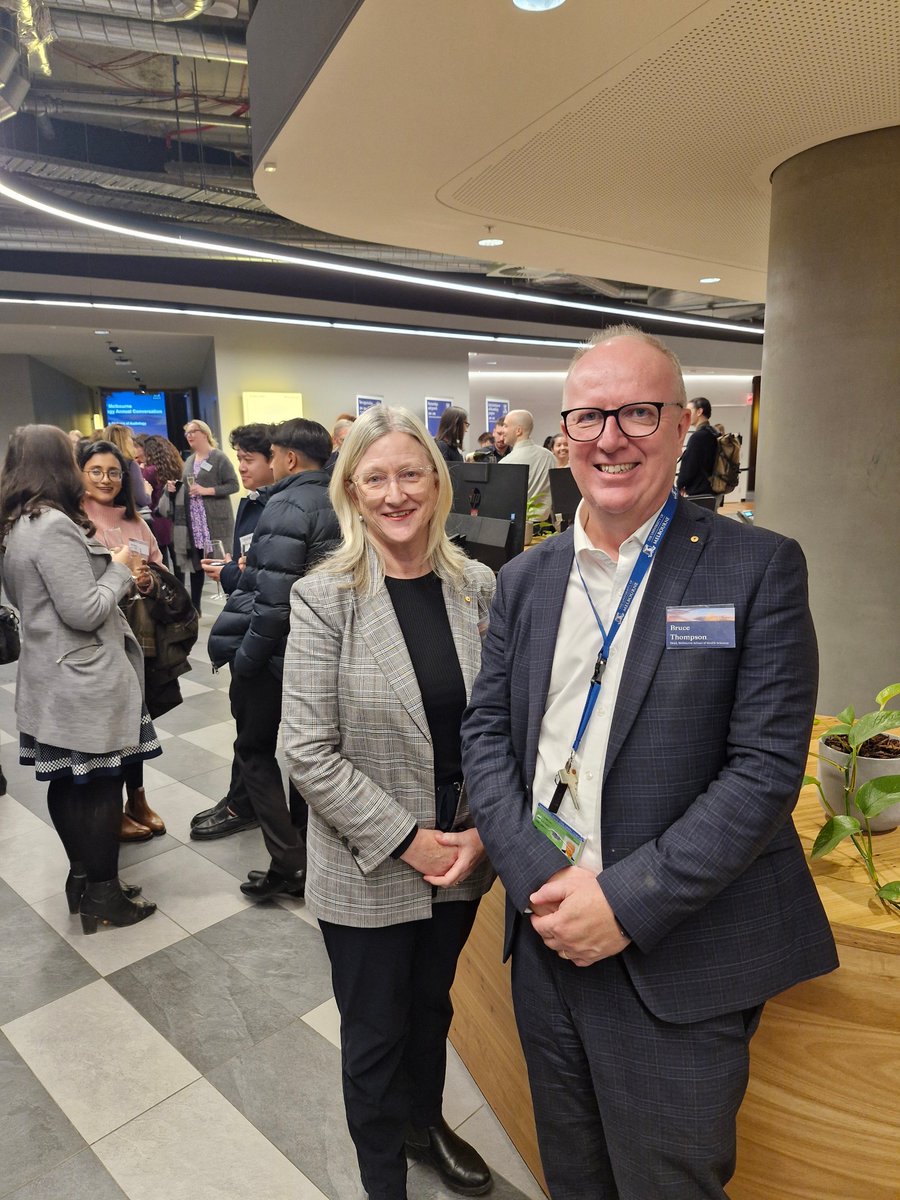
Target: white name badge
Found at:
x=136, y=546
x=206, y=466
x=700, y=625
x=246, y=539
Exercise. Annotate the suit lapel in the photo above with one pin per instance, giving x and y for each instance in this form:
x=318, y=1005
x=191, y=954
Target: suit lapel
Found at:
x=462, y=612
x=675, y=563
x=548, y=595
x=380, y=629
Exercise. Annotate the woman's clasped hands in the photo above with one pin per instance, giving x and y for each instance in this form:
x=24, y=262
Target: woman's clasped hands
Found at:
x=444, y=859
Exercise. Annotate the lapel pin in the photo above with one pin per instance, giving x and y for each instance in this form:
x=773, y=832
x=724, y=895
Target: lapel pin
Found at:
x=468, y=599
x=695, y=538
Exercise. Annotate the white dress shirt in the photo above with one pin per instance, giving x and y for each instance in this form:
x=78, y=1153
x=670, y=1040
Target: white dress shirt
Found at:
x=578, y=642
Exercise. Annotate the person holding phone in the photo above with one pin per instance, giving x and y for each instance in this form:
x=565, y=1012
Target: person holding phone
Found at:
x=109, y=504
x=79, y=706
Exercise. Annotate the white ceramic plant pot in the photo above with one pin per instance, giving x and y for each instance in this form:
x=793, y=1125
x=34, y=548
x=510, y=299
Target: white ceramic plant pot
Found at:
x=831, y=776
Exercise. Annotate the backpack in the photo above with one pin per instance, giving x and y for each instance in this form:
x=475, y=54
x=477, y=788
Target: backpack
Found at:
x=727, y=465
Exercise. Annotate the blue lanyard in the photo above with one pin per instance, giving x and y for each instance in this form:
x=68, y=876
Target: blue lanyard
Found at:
x=640, y=569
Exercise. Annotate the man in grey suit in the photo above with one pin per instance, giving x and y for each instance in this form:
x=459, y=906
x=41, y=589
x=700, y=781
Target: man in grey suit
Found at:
x=633, y=750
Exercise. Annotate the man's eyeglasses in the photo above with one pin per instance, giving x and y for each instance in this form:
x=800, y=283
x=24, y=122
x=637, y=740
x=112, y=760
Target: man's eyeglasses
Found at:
x=634, y=420
x=376, y=483
x=114, y=475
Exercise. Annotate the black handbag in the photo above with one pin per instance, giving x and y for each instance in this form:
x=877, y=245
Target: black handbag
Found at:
x=9, y=636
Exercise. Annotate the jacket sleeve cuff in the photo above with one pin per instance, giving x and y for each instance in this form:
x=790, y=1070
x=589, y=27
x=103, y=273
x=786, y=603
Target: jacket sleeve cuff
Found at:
x=406, y=843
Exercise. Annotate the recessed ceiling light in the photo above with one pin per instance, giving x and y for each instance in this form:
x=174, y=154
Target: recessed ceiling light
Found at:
x=711, y=279
x=123, y=362
x=270, y=167
x=132, y=372
x=490, y=240
x=537, y=5
x=102, y=332
x=115, y=349
x=492, y=363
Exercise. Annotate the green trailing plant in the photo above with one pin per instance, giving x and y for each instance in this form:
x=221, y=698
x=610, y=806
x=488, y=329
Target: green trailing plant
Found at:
x=869, y=799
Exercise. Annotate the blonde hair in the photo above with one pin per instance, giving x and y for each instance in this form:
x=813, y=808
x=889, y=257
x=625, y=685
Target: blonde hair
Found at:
x=612, y=334
x=202, y=425
x=357, y=556
x=121, y=437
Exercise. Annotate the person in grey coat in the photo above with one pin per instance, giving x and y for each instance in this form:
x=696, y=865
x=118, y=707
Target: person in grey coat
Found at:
x=79, y=704
x=200, y=504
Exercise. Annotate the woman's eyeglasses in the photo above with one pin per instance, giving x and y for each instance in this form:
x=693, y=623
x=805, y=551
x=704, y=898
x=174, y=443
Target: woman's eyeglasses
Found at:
x=114, y=475
x=376, y=483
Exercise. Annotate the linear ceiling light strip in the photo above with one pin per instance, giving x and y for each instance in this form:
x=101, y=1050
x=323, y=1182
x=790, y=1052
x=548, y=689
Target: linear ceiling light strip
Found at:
x=275, y=319
x=231, y=247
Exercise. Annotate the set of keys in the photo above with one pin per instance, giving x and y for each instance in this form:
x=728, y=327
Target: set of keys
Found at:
x=566, y=781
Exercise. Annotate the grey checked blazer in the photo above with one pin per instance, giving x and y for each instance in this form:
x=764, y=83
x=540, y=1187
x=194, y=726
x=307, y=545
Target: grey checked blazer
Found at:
x=81, y=670
x=359, y=750
x=707, y=748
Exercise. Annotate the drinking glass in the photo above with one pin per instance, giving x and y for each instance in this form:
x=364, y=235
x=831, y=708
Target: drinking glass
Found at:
x=215, y=552
x=114, y=538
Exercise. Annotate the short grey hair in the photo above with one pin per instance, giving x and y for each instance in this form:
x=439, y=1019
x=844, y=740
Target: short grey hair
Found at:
x=612, y=334
x=522, y=417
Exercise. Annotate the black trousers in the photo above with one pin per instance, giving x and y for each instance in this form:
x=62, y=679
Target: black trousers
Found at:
x=392, y=987
x=627, y=1106
x=238, y=800
x=256, y=708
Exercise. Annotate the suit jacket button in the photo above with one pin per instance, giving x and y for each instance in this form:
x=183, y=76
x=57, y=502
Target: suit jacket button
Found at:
x=354, y=851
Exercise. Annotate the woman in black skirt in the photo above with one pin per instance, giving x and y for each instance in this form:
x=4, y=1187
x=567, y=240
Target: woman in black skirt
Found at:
x=79, y=705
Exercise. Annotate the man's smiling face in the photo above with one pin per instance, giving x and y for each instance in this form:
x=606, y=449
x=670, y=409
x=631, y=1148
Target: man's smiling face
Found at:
x=623, y=479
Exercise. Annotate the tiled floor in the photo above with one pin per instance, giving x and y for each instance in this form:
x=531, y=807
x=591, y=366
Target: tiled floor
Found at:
x=195, y=1055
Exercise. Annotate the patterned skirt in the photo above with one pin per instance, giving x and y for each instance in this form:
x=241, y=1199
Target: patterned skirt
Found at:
x=55, y=762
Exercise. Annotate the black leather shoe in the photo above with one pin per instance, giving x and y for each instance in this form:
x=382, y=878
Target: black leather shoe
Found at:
x=221, y=824
x=209, y=812
x=459, y=1165
x=272, y=884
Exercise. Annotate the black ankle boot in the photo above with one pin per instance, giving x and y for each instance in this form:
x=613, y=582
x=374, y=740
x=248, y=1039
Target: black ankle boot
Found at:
x=105, y=903
x=76, y=882
x=459, y=1165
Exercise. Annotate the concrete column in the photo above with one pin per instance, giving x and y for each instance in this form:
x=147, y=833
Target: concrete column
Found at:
x=829, y=444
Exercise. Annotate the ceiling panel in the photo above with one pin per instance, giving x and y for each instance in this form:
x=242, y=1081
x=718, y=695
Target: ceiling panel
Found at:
x=625, y=139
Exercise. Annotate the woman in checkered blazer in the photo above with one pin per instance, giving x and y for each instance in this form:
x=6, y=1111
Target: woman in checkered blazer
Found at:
x=385, y=644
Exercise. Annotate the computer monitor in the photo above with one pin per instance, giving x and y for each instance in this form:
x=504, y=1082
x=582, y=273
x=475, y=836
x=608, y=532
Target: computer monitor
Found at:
x=564, y=494
x=488, y=514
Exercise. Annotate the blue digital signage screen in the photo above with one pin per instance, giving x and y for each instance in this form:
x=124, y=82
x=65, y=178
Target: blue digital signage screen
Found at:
x=141, y=412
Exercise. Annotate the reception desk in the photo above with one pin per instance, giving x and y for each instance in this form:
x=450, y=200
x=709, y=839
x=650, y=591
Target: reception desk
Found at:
x=821, y=1120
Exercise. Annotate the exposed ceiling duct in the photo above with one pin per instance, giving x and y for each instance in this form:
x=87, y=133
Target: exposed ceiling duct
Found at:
x=13, y=84
x=154, y=10
x=156, y=37
x=47, y=106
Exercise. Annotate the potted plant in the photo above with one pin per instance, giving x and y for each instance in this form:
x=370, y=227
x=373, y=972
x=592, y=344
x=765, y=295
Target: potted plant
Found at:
x=865, y=762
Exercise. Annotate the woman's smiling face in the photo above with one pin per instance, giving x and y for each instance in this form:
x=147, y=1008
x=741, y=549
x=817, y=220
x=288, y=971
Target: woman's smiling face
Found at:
x=397, y=515
x=102, y=474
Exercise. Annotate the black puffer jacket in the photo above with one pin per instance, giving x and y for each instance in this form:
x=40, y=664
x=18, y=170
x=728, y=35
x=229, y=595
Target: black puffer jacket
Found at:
x=296, y=529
